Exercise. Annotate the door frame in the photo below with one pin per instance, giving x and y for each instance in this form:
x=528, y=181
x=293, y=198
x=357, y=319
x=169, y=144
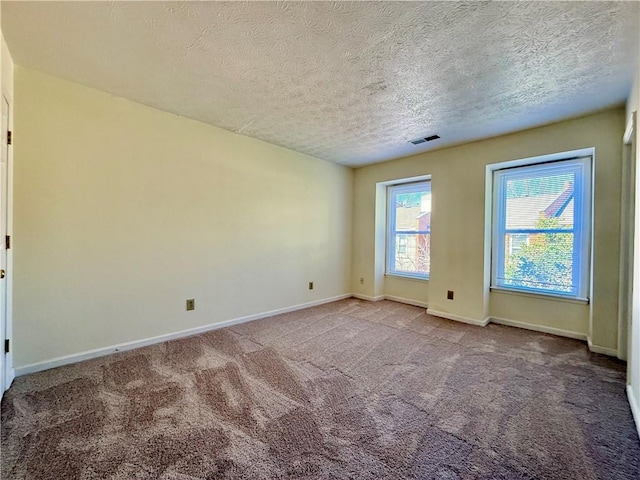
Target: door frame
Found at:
x=627, y=229
x=6, y=203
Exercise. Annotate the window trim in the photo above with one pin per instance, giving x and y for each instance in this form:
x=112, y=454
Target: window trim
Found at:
x=582, y=160
x=389, y=235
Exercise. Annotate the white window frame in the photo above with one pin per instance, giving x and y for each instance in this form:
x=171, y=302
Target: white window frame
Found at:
x=404, y=187
x=581, y=163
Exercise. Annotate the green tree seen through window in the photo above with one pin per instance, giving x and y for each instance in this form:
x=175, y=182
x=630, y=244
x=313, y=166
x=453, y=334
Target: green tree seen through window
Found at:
x=545, y=262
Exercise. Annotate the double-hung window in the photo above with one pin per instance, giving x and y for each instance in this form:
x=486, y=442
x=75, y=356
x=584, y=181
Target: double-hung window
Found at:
x=409, y=229
x=541, y=228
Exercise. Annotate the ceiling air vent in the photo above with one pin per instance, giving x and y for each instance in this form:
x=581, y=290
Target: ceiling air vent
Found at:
x=418, y=141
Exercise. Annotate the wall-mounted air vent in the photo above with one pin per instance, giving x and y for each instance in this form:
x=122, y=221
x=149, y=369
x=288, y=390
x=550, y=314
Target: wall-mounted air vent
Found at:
x=418, y=141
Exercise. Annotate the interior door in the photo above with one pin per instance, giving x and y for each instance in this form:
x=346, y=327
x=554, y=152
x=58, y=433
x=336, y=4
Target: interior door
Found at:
x=4, y=175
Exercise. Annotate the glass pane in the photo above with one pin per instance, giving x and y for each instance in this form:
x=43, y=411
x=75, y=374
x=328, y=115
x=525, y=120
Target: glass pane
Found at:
x=541, y=227
x=410, y=227
x=540, y=202
x=539, y=260
x=413, y=211
x=412, y=253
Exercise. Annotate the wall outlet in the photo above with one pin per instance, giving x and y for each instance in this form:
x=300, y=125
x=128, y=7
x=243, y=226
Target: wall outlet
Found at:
x=191, y=304
x=449, y=294
x=361, y=280
x=310, y=285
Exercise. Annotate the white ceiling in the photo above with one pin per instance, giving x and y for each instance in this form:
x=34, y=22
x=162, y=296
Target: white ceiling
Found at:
x=350, y=82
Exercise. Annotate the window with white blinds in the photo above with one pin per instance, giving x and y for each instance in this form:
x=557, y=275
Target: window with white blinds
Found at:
x=541, y=228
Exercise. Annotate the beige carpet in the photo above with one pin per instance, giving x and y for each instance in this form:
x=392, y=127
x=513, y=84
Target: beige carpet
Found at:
x=346, y=390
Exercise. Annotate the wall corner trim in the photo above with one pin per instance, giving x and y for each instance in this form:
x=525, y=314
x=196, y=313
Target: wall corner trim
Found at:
x=612, y=352
x=458, y=318
x=635, y=408
x=101, y=352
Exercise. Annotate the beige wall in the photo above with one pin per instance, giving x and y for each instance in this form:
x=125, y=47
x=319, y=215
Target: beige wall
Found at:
x=123, y=212
x=458, y=227
x=407, y=288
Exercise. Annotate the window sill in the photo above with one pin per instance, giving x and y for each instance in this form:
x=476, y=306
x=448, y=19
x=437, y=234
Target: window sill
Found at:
x=544, y=296
x=407, y=277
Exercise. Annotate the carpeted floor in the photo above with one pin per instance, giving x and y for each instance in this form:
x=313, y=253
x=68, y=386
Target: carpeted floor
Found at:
x=345, y=390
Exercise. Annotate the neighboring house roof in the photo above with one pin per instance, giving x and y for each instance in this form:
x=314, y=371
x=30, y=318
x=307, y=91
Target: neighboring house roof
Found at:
x=524, y=212
x=560, y=204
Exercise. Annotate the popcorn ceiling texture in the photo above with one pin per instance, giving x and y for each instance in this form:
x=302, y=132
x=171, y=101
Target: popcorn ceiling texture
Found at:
x=350, y=82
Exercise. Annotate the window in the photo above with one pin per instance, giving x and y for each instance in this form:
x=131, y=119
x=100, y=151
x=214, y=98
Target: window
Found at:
x=409, y=239
x=541, y=229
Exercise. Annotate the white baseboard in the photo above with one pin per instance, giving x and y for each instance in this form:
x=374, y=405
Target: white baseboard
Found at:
x=101, y=352
x=538, y=328
x=612, y=352
x=408, y=301
x=458, y=318
x=361, y=296
x=393, y=298
x=634, y=403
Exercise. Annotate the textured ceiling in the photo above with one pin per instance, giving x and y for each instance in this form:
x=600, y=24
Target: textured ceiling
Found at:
x=350, y=82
